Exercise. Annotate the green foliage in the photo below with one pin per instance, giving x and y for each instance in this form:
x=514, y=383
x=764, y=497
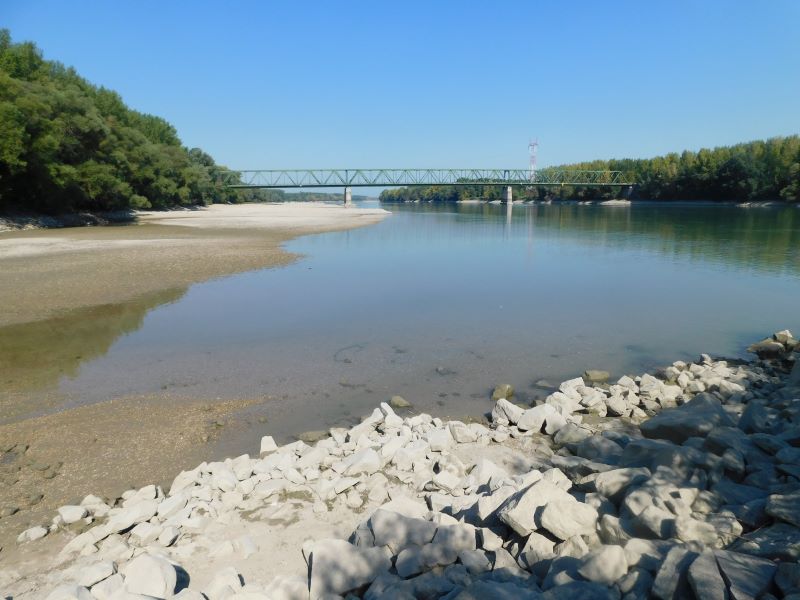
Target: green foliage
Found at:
x=67, y=145
x=761, y=170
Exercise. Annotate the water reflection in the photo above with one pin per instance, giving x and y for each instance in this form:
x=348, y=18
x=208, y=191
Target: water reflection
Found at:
x=37, y=355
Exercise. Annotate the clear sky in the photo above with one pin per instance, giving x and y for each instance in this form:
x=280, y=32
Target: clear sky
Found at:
x=435, y=84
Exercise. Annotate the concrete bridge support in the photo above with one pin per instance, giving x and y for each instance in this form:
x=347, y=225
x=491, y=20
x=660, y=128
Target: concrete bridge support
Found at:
x=509, y=197
x=348, y=197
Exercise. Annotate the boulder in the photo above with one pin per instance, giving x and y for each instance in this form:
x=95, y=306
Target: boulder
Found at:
x=461, y=432
x=671, y=582
x=694, y=419
x=785, y=507
x=705, y=578
x=519, y=510
x=506, y=411
x=337, y=566
x=96, y=573
x=748, y=577
x=604, y=564
x=566, y=518
x=780, y=541
x=614, y=483
x=398, y=531
x=150, y=576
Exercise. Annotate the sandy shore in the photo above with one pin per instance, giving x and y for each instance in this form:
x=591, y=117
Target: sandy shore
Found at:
x=46, y=272
x=113, y=276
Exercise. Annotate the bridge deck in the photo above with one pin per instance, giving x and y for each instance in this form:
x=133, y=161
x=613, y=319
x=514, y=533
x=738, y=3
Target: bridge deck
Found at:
x=296, y=178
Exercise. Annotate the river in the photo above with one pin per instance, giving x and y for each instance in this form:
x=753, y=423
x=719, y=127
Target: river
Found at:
x=436, y=303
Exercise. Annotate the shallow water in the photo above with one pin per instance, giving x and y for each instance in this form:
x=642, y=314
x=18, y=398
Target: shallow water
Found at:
x=436, y=303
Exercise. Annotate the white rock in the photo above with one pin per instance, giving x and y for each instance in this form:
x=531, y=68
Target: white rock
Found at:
x=145, y=533
x=518, y=512
x=70, y=592
x=96, y=573
x=32, y=534
x=338, y=567
x=364, y=461
x=106, y=589
x=150, y=575
x=461, y=432
x=605, y=564
x=225, y=579
x=505, y=410
x=566, y=518
x=72, y=514
x=168, y=536
x=439, y=439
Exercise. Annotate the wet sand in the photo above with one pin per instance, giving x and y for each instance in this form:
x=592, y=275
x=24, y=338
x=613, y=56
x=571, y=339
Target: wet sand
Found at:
x=114, y=274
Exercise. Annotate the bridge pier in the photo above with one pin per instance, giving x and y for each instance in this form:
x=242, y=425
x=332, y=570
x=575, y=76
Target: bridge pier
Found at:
x=509, y=197
x=348, y=197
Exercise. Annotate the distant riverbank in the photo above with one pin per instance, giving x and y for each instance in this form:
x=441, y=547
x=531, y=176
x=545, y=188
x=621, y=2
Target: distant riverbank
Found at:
x=46, y=272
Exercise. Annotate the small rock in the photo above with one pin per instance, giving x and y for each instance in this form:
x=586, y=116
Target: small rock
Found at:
x=32, y=534
x=595, y=376
x=785, y=507
x=311, y=437
x=671, y=582
x=72, y=514
x=502, y=390
x=748, y=577
x=399, y=402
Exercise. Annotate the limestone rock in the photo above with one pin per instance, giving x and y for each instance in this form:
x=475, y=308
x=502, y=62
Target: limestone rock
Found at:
x=785, y=507
x=398, y=531
x=694, y=419
x=268, y=444
x=399, y=402
x=338, y=567
x=748, y=577
x=671, y=582
x=70, y=592
x=32, y=534
x=604, y=564
x=518, y=512
x=502, y=390
x=96, y=573
x=72, y=514
x=151, y=576
x=566, y=518
x=705, y=578
x=506, y=411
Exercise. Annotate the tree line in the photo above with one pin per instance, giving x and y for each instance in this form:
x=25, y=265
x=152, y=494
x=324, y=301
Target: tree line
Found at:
x=67, y=145
x=752, y=171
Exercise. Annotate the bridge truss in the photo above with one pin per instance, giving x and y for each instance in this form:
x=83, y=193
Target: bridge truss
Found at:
x=298, y=178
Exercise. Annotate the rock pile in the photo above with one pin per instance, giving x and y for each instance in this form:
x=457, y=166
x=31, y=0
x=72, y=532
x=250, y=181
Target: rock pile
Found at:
x=685, y=485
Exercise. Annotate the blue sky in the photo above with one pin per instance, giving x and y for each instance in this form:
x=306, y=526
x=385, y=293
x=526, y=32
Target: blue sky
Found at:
x=435, y=84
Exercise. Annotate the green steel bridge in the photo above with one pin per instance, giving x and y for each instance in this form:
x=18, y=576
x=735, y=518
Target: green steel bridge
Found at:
x=349, y=178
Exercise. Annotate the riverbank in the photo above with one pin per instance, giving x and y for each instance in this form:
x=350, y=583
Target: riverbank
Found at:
x=682, y=485
x=46, y=272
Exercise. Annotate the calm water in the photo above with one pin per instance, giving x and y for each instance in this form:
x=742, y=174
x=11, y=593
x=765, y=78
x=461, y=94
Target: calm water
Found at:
x=437, y=303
